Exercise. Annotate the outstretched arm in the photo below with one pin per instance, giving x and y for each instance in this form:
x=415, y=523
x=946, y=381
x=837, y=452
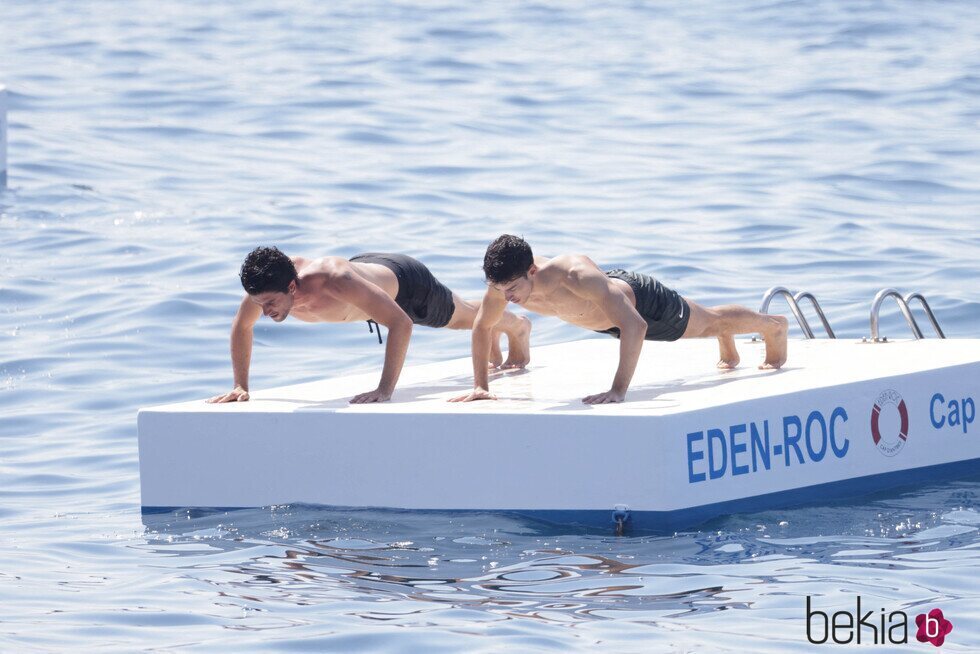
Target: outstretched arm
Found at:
x=241, y=350
x=487, y=316
x=351, y=288
x=587, y=281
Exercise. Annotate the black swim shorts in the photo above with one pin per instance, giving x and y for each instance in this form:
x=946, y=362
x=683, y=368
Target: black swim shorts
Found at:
x=665, y=311
x=426, y=301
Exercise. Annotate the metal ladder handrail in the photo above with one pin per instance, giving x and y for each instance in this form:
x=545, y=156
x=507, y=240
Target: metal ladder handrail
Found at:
x=903, y=306
x=925, y=305
x=794, y=304
x=804, y=295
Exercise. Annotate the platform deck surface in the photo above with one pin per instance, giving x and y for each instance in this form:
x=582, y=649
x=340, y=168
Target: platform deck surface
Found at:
x=690, y=442
x=670, y=378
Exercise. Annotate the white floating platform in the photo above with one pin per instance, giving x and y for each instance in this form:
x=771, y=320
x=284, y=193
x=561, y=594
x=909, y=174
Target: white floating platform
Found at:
x=691, y=442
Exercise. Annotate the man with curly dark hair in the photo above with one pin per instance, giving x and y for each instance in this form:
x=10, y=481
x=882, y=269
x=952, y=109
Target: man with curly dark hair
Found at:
x=631, y=306
x=393, y=290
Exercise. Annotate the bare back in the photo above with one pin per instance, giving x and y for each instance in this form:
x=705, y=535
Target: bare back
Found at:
x=553, y=295
x=318, y=299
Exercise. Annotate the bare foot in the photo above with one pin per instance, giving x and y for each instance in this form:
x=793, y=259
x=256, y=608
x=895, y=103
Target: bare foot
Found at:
x=519, y=345
x=496, y=356
x=775, y=336
x=728, y=353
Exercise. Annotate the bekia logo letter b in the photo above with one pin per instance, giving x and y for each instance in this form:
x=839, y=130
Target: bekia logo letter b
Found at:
x=933, y=627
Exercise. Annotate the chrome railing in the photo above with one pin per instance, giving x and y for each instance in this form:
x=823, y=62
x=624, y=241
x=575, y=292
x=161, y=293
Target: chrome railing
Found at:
x=928, y=310
x=903, y=306
x=794, y=305
x=803, y=295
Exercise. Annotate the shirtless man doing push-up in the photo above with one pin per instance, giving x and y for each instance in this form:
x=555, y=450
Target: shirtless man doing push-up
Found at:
x=631, y=306
x=389, y=289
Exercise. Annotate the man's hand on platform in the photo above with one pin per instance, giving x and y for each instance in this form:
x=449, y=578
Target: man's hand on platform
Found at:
x=239, y=394
x=608, y=397
x=475, y=394
x=377, y=395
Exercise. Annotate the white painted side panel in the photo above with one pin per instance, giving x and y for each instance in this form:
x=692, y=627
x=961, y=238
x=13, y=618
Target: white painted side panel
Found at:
x=486, y=457
x=839, y=444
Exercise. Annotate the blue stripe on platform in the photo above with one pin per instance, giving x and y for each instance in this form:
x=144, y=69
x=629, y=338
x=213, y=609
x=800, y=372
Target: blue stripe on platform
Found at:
x=660, y=522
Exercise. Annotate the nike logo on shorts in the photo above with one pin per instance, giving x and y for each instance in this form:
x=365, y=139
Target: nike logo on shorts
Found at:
x=682, y=312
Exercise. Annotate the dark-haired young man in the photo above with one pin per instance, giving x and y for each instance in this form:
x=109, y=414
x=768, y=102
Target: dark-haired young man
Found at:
x=630, y=306
x=393, y=290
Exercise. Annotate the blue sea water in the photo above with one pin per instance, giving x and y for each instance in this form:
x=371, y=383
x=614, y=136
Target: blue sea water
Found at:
x=724, y=147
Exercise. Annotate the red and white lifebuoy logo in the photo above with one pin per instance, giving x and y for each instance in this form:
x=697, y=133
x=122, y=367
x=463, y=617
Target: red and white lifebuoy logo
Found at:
x=890, y=423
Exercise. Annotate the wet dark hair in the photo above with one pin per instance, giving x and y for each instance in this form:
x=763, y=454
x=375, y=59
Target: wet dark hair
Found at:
x=267, y=269
x=507, y=258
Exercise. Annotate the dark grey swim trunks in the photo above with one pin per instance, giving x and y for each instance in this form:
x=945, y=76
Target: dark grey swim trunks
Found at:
x=665, y=311
x=420, y=295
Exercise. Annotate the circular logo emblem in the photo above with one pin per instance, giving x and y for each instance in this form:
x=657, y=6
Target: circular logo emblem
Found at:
x=890, y=423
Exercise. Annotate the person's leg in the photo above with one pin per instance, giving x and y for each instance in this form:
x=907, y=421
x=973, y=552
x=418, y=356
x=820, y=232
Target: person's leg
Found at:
x=517, y=328
x=728, y=358
x=727, y=321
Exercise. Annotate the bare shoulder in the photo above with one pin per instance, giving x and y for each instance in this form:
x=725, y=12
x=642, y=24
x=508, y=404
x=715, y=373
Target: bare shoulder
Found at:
x=320, y=265
x=573, y=268
x=324, y=273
